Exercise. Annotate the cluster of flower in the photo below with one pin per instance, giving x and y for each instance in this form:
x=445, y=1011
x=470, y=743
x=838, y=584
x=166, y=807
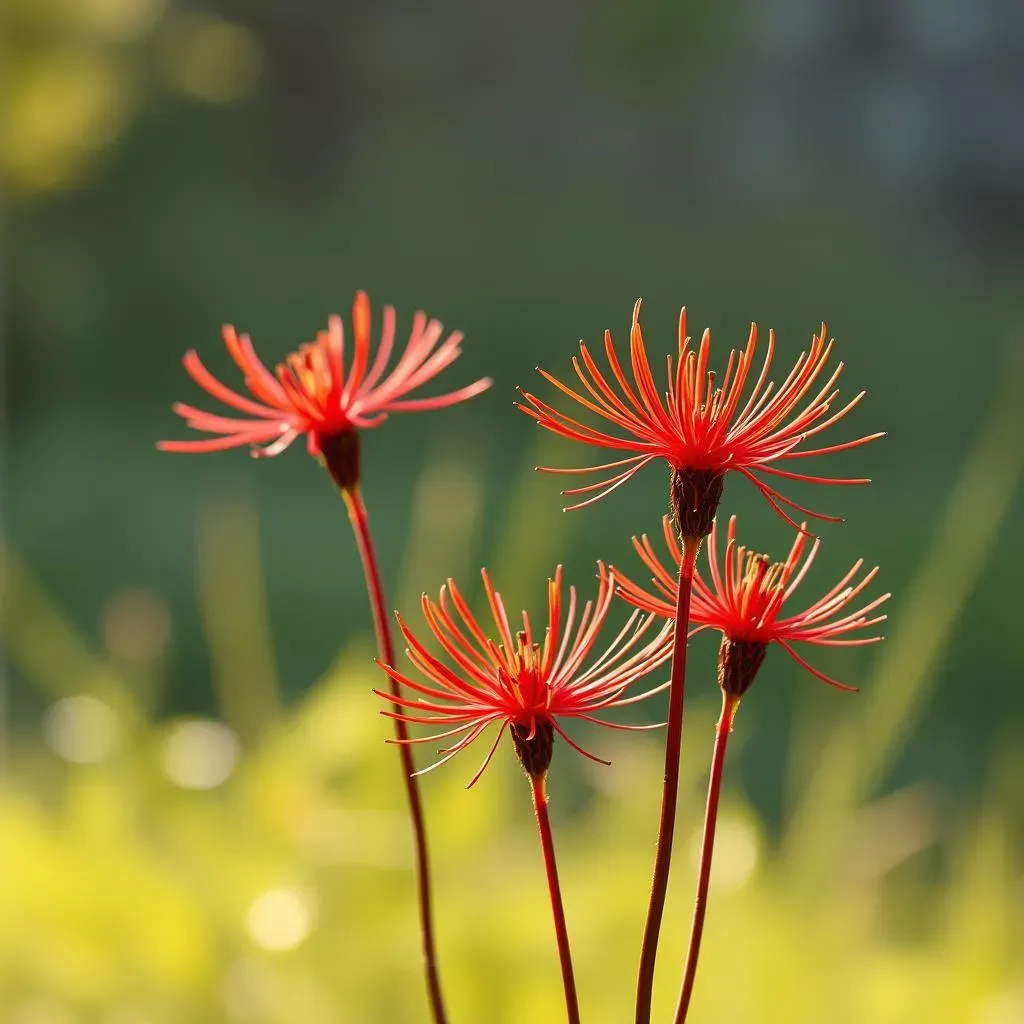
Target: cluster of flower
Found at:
x=528, y=684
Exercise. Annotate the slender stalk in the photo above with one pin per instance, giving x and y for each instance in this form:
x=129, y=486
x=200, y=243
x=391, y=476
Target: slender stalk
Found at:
x=361, y=526
x=729, y=705
x=670, y=789
x=540, y=805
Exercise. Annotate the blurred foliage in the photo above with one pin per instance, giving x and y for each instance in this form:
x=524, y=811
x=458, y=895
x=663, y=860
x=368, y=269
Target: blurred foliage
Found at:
x=198, y=834
x=78, y=71
x=189, y=870
x=657, y=42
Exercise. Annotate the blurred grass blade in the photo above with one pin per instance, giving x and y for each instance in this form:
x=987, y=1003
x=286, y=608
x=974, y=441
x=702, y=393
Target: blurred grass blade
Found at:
x=534, y=534
x=447, y=504
x=46, y=648
x=232, y=604
x=865, y=743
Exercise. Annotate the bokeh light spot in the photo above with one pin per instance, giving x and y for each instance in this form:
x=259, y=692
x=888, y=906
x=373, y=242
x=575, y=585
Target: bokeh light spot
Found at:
x=200, y=754
x=211, y=59
x=81, y=729
x=66, y=106
x=118, y=20
x=280, y=919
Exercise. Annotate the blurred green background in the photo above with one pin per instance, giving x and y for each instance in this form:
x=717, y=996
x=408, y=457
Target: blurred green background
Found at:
x=198, y=818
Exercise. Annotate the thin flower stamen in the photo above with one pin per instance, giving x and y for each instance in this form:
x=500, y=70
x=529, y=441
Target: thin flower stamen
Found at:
x=700, y=423
x=310, y=392
x=528, y=686
x=745, y=594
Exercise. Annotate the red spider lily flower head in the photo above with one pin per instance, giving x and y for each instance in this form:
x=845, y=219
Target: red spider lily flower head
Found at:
x=701, y=429
x=518, y=681
x=312, y=392
x=745, y=600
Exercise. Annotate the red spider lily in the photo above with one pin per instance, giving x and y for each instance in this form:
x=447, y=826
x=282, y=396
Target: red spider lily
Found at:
x=697, y=427
x=520, y=683
x=746, y=597
x=312, y=393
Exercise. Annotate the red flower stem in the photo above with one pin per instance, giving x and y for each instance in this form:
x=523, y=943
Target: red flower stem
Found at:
x=361, y=527
x=540, y=805
x=724, y=727
x=670, y=789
